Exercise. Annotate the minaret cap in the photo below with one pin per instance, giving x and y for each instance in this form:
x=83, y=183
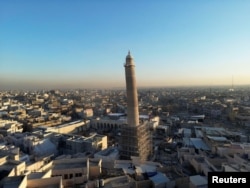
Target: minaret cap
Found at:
x=129, y=55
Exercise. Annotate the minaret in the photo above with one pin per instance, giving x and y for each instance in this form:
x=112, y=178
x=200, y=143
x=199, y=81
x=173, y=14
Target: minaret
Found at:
x=135, y=139
x=132, y=100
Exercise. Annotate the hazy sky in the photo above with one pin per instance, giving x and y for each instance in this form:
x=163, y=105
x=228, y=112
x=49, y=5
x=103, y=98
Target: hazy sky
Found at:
x=79, y=44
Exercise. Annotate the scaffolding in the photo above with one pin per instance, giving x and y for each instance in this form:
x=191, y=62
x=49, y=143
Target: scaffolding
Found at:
x=136, y=141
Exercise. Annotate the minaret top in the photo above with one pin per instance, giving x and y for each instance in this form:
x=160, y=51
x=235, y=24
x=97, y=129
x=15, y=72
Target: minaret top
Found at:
x=129, y=56
x=129, y=60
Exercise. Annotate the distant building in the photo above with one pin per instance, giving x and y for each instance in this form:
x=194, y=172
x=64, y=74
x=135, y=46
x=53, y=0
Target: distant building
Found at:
x=68, y=128
x=198, y=181
x=87, y=113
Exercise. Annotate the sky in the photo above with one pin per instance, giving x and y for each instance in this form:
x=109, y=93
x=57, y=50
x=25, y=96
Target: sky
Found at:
x=83, y=44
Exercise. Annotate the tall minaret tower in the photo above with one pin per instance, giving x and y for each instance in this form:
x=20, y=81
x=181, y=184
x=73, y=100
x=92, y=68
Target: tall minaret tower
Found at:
x=135, y=139
x=132, y=100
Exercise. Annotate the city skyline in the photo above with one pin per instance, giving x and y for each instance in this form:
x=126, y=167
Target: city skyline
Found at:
x=60, y=44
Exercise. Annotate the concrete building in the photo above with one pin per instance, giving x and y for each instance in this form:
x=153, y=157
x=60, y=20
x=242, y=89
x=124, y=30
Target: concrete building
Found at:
x=198, y=181
x=45, y=182
x=68, y=128
x=114, y=121
x=125, y=181
x=135, y=136
x=35, y=146
x=142, y=174
x=72, y=172
x=160, y=180
x=109, y=154
x=8, y=127
x=9, y=167
x=70, y=144
x=76, y=171
x=14, y=181
x=87, y=113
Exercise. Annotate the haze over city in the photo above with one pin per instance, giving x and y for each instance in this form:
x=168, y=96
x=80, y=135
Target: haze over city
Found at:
x=81, y=44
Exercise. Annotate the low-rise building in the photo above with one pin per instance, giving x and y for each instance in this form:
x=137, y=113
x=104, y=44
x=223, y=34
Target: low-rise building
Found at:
x=109, y=154
x=68, y=128
x=72, y=144
x=8, y=127
x=198, y=181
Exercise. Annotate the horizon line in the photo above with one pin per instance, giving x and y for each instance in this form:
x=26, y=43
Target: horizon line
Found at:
x=120, y=87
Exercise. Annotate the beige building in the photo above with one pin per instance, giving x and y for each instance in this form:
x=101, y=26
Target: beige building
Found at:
x=80, y=144
x=88, y=113
x=45, y=173
x=119, y=120
x=9, y=167
x=68, y=128
x=76, y=171
x=125, y=182
x=45, y=182
x=8, y=127
x=38, y=147
x=109, y=122
x=109, y=154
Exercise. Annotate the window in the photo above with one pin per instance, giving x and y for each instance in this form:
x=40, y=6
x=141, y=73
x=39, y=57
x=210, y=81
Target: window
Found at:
x=65, y=176
x=78, y=175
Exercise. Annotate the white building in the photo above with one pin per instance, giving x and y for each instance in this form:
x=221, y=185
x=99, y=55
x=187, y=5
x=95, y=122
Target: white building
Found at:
x=8, y=127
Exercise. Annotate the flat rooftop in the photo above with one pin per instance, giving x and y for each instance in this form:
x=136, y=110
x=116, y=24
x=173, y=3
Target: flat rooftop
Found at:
x=12, y=182
x=116, y=114
x=108, y=152
x=199, y=144
x=218, y=138
x=60, y=166
x=7, y=166
x=198, y=180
